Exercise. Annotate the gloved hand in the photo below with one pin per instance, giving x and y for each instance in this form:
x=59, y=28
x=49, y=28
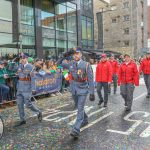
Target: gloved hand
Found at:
x=92, y=97
x=33, y=92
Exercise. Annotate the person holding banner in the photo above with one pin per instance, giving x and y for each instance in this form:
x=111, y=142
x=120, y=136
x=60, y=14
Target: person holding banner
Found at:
x=81, y=83
x=24, y=91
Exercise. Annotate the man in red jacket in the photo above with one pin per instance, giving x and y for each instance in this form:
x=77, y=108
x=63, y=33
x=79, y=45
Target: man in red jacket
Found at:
x=103, y=78
x=145, y=68
x=115, y=67
x=128, y=77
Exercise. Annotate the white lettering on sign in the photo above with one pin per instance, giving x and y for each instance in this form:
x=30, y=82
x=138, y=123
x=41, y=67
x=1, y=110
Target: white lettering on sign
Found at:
x=134, y=126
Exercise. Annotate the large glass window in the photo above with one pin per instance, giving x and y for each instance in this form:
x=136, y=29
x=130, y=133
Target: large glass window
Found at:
x=5, y=22
x=61, y=46
x=27, y=22
x=71, y=26
x=47, y=14
x=87, y=32
x=48, y=23
x=60, y=17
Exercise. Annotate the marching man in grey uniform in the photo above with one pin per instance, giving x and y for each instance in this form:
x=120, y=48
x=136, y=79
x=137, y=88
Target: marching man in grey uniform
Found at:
x=24, y=91
x=81, y=76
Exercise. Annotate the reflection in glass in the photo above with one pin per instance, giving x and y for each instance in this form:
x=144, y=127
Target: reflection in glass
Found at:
x=87, y=32
x=72, y=44
x=71, y=5
x=61, y=35
x=47, y=14
x=27, y=12
x=84, y=34
x=6, y=10
x=48, y=42
x=61, y=17
x=27, y=22
x=28, y=40
x=5, y=38
x=71, y=20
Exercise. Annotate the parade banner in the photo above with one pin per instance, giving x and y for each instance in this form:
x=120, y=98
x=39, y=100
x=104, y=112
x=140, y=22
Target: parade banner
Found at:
x=46, y=83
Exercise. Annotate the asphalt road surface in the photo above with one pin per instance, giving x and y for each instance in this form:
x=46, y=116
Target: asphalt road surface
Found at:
x=109, y=128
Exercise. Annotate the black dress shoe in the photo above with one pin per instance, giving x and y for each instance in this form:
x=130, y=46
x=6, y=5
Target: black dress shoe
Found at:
x=20, y=124
x=100, y=102
x=105, y=105
x=84, y=124
x=128, y=109
x=74, y=134
x=40, y=116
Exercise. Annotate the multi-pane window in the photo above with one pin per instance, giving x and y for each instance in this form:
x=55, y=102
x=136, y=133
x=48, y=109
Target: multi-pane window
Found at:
x=126, y=17
x=126, y=31
x=27, y=22
x=59, y=26
x=126, y=5
x=5, y=22
x=114, y=20
x=87, y=32
x=126, y=43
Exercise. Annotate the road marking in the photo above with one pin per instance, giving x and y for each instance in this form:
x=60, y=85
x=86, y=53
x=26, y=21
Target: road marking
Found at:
x=97, y=120
x=59, y=119
x=134, y=126
x=93, y=113
x=146, y=132
x=136, y=98
x=86, y=108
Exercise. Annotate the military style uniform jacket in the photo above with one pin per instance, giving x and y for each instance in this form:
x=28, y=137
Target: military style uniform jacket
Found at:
x=24, y=82
x=82, y=77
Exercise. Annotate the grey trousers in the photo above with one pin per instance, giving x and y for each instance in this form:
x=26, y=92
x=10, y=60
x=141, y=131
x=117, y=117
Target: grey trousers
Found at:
x=25, y=98
x=81, y=115
x=103, y=85
x=147, y=83
x=127, y=93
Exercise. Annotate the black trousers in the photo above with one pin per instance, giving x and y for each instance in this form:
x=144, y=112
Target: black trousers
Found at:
x=126, y=90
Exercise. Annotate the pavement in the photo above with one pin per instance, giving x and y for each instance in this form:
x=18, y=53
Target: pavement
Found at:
x=109, y=128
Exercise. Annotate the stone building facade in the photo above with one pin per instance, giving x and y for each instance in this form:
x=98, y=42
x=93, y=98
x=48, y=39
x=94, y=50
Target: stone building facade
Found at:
x=148, y=18
x=121, y=26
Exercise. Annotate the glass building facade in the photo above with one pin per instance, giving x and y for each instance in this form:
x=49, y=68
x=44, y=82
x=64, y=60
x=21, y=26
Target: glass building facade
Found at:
x=45, y=28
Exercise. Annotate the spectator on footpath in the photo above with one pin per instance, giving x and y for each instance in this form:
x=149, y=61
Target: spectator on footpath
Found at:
x=93, y=65
x=128, y=77
x=4, y=89
x=103, y=79
x=145, y=68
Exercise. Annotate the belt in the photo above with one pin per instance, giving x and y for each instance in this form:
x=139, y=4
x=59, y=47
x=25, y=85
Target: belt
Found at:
x=24, y=79
x=78, y=80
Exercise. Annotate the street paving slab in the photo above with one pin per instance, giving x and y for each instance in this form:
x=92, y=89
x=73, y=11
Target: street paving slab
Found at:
x=109, y=128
